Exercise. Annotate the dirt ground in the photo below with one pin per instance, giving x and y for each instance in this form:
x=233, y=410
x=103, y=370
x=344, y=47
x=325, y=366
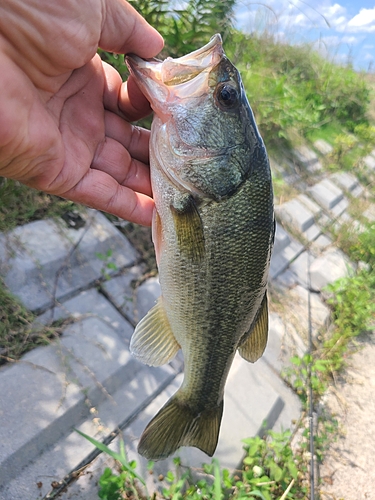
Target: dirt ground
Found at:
x=348, y=471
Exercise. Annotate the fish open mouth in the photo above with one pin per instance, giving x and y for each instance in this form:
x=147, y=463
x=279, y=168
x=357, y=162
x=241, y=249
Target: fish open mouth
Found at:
x=153, y=73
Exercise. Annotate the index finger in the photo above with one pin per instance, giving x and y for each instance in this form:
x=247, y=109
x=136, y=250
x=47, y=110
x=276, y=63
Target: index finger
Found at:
x=124, y=31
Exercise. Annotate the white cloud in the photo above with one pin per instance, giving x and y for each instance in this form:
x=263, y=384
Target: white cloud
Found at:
x=350, y=39
x=363, y=19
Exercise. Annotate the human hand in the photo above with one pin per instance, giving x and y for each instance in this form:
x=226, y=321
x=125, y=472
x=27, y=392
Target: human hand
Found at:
x=64, y=114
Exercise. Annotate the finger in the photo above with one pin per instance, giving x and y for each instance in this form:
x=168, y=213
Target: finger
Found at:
x=132, y=103
x=99, y=190
x=113, y=159
x=134, y=139
x=125, y=31
x=123, y=98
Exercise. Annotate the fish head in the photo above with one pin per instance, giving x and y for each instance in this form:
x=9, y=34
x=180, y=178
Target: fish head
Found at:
x=204, y=136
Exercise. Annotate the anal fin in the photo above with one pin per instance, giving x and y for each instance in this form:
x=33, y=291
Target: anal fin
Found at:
x=255, y=341
x=153, y=342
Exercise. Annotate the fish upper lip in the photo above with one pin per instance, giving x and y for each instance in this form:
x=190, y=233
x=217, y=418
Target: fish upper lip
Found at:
x=171, y=71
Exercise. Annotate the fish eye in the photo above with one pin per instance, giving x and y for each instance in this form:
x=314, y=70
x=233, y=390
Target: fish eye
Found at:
x=227, y=96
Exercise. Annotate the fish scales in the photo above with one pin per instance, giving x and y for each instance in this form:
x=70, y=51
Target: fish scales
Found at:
x=213, y=232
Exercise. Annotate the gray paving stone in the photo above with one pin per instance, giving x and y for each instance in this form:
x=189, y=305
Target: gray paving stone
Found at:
x=299, y=268
x=41, y=262
x=305, y=155
x=369, y=161
x=66, y=453
x=283, y=343
x=330, y=266
x=282, y=239
x=321, y=243
x=345, y=180
x=89, y=303
x=358, y=191
x=310, y=205
x=340, y=208
x=296, y=215
x=298, y=314
x=47, y=393
x=326, y=194
x=133, y=302
x=325, y=222
x=281, y=259
x=323, y=147
x=286, y=279
x=122, y=289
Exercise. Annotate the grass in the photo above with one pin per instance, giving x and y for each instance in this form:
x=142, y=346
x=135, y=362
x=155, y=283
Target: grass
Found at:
x=21, y=205
x=18, y=332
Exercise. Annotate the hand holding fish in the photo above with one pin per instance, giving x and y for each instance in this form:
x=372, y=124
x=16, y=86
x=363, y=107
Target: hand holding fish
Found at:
x=64, y=114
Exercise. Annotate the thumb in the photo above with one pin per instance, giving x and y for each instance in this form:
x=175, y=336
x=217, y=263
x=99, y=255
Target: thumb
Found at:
x=125, y=31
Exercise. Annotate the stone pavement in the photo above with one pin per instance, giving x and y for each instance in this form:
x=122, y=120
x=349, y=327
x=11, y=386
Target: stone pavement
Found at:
x=93, y=278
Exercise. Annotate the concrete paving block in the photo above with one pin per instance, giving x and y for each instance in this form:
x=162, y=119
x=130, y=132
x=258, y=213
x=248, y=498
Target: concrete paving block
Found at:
x=281, y=260
x=310, y=205
x=321, y=243
x=298, y=315
x=283, y=343
x=340, y=208
x=286, y=279
x=41, y=262
x=323, y=147
x=330, y=266
x=122, y=289
x=345, y=180
x=48, y=391
x=55, y=462
x=358, y=191
x=326, y=194
x=89, y=303
x=147, y=295
x=369, y=161
x=305, y=155
x=99, y=236
x=299, y=268
x=325, y=222
x=312, y=232
x=296, y=215
x=282, y=239
x=133, y=302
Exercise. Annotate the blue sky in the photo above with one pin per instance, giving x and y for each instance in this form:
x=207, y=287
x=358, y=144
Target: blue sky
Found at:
x=339, y=30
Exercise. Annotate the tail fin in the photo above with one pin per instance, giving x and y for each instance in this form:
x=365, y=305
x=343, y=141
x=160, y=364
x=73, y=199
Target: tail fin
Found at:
x=176, y=425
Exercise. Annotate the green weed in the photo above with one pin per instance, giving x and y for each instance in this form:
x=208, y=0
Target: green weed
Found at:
x=21, y=204
x=271, y=470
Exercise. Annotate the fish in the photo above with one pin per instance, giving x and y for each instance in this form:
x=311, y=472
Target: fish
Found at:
x=213, y=230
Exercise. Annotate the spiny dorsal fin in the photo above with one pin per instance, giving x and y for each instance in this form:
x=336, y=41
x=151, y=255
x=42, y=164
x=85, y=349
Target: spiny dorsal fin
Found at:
x=153, y=342
x=176, y=425
x=255, y=343
x=189, y=230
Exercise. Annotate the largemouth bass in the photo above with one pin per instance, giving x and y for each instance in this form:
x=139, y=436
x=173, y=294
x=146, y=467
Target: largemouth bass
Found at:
x=213, y=231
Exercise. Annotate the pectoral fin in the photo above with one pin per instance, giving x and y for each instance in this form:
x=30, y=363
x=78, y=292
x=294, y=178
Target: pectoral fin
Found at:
x=153, y=342
x=255, y=343
x=189, y=229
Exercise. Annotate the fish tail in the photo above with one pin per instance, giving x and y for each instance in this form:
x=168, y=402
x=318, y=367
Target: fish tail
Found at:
x=177, y=425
